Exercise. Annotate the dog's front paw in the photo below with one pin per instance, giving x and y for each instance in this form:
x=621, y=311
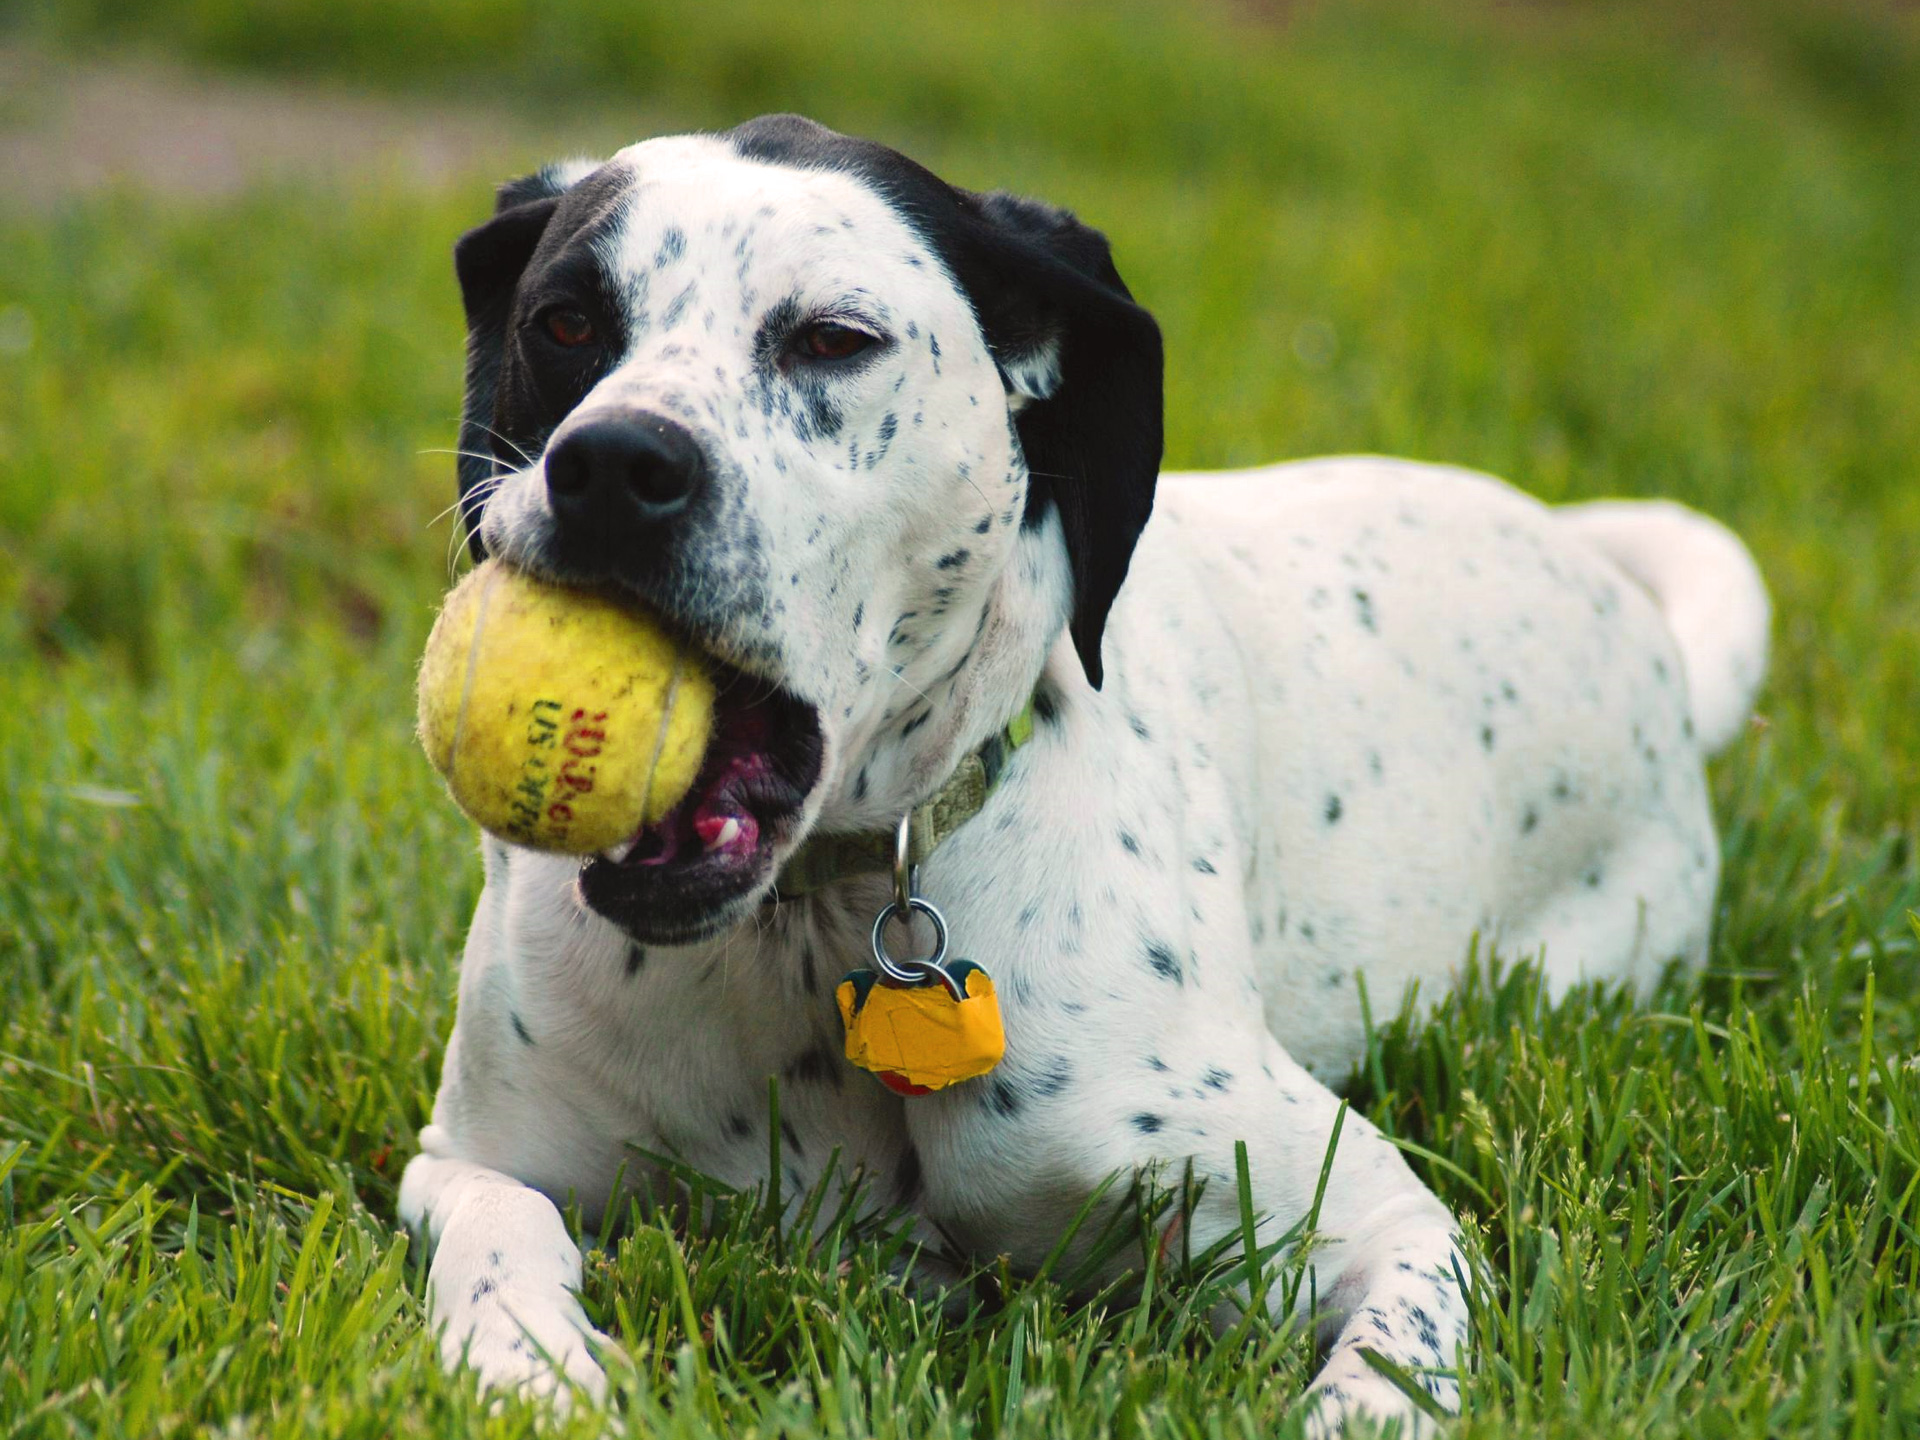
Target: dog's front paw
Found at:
x=536, y=1339
x=1361, y=1401
x=1332, y=1414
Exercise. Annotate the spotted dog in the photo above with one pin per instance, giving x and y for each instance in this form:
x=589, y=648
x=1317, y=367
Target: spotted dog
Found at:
x=890, y=451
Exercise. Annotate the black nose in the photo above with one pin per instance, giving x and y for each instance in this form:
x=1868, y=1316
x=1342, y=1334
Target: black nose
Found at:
x=616, y=469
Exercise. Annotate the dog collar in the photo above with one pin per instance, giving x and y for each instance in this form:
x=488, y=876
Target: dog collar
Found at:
x=823, y=859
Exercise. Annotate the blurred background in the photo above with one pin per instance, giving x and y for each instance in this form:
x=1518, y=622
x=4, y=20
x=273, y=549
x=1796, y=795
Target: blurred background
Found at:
x=1636, y=249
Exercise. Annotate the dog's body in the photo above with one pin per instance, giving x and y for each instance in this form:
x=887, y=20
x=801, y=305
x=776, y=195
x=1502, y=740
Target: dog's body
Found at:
x=1352, y=714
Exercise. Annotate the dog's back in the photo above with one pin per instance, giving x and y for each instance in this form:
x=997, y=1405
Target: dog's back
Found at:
x=1472, y=716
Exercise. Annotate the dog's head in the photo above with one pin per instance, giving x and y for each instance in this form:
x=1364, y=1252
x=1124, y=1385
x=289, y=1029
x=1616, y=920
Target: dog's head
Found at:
x=872, y=440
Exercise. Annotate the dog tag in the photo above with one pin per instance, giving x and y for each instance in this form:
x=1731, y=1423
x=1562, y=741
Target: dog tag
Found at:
x=920, y=1037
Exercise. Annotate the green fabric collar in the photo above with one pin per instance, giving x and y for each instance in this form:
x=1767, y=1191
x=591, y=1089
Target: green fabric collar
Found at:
x=823, y=859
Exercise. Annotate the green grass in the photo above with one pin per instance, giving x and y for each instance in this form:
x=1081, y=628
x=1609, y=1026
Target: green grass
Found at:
x=1599, y=252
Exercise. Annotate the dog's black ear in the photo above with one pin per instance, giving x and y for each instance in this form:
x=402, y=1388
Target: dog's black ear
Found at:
x=489, y=260
x=1083, y=368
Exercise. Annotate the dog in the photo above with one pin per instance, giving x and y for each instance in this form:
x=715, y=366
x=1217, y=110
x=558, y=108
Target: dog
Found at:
x=889, y=450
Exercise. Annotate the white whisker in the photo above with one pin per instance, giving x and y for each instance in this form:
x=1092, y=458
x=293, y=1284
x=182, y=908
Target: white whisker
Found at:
x=467, y=454
x=899, y=674
x=471, y=503
x=517, y=449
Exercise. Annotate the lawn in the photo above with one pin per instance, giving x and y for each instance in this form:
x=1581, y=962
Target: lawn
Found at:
x=1600, y=251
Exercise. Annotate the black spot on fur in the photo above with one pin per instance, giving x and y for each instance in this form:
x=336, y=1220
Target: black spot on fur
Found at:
x=636, y=957
x=951, y=559
x=1129, y=842
x=1003, y=1098
x=1486, y=738
x=1164, y=963
x=1147, y=1124
x=815, y=1066
x=482, y=1288
x=520, y=1027
x=1054, y=1077
x=677, y=307
x=1528, y=820
x=1334, y=809
x=1363, y=611
x=739, y=1126
x=907, y=1178
x=1139, y=727
x=1203, y=866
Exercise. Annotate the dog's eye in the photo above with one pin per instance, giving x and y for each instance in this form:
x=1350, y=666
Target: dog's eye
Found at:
x=828, y=341
x=569, y=328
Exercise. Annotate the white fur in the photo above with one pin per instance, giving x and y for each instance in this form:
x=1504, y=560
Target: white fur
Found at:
x=1708, y=588
x=1356, y=713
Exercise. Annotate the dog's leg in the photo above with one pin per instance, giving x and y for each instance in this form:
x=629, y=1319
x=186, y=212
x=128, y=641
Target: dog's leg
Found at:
x=1398, y=1296
x=1385, y=1273
x=1382, y=1259
x=1383, y=1267
x=502, y=1288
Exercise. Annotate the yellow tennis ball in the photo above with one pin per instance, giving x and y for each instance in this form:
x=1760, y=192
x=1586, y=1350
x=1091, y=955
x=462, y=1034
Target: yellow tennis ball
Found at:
x=559, y=719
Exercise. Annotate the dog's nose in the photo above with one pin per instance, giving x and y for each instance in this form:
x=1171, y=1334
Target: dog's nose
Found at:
x=615, y=469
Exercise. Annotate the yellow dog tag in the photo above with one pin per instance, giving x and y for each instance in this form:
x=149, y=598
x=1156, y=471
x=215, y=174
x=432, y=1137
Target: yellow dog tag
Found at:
x=920, y=1038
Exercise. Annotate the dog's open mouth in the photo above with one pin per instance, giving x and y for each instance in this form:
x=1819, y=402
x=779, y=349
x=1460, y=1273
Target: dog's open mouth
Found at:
x=680, y=878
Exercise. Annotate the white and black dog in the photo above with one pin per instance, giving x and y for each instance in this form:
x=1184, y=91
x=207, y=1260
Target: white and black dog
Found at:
x=890, y=450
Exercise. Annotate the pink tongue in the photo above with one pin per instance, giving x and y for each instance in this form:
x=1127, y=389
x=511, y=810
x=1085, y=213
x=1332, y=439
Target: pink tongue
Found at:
x=710, y=826
x=718, y=811
x=724, y=824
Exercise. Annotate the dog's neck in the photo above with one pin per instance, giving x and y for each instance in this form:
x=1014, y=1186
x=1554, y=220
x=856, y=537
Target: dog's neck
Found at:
x=960, y=692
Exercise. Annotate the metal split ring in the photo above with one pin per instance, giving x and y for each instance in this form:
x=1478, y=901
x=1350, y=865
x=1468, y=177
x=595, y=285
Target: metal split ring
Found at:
x=916, y=971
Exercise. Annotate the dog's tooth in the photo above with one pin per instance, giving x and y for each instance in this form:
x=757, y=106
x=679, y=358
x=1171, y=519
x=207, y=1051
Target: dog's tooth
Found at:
x=726, y=834
x=617, y=853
